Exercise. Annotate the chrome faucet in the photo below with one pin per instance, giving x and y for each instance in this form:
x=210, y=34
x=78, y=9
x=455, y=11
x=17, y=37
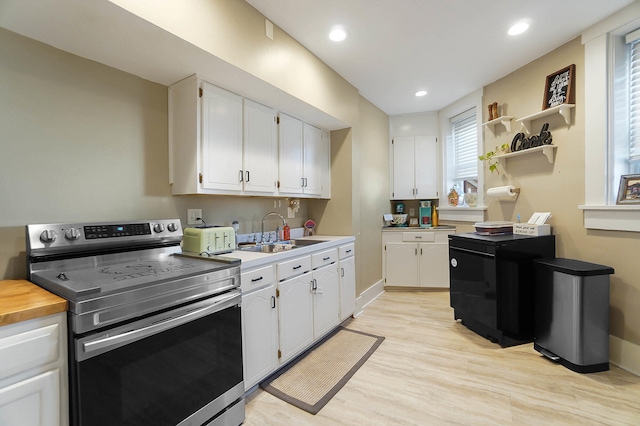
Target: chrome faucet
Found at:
x=272, y=214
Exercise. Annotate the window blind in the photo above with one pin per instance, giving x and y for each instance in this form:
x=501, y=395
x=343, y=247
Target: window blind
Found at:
x=465, y=145
x=634, y=102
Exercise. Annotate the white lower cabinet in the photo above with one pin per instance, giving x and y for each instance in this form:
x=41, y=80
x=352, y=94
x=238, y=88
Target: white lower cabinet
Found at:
x=290, y=305
x=259, y=324
x=416, y=258
x=347, y=278
x=326, y=300
x=33, y=372
x=295, y=307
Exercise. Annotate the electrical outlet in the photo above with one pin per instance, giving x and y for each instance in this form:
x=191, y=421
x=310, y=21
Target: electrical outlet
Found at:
x=193, y=215
x=290, y=213
x=412, y=212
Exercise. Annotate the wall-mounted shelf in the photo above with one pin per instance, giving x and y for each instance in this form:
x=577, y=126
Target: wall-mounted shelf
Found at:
x=547, y=150
x=564, y=110
x=505, y=121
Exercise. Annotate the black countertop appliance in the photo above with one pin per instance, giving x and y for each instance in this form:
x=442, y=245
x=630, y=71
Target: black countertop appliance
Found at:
x=492, y=280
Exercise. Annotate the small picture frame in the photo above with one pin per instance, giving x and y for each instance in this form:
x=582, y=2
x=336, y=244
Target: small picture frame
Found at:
x=629, y=190
x=413, y=221
x=559, y=87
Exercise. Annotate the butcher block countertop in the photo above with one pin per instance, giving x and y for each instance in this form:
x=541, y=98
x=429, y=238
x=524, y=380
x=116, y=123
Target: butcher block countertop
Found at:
x=21, y=300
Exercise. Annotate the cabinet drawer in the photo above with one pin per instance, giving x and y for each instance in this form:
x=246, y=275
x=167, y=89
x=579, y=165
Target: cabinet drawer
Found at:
x=419, y=237
x=346, y=251
x=28, y=349
x=323, y=258
x=252, y=280
x=293, y=267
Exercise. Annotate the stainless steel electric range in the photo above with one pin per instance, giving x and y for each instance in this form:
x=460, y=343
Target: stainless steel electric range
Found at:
x=154, y=336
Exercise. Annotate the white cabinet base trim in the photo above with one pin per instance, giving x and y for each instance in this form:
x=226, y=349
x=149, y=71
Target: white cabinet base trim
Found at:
x=368, y=296
x=624, y=354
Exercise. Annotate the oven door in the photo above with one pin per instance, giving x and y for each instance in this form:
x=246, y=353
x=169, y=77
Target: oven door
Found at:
x=180, y=367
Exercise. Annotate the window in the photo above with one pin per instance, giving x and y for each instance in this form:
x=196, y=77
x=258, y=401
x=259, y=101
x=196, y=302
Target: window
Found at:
x=624, y=151
x=610, y=151
x=463, y=147
x=634, y=102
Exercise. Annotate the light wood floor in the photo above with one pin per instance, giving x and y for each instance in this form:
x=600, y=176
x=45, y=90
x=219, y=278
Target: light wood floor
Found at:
x=431, y=370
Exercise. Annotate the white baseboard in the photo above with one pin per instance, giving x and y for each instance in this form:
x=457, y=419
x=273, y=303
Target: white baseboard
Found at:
x=624, y=354
x=368, y=296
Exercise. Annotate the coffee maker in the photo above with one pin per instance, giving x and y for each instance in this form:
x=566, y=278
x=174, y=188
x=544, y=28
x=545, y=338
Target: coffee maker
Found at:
x=425, y=214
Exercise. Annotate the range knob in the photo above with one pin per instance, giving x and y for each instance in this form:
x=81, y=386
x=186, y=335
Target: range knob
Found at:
x=72, y=234
x=158, y=227
x=48, y=236
x=172, y=227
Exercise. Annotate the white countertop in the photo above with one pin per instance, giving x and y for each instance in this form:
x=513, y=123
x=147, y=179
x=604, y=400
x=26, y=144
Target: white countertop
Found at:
x=251, y=259
x=417, y=228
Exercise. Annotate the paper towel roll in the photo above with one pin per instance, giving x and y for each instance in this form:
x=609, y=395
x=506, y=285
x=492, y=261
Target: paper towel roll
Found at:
x=502, y=192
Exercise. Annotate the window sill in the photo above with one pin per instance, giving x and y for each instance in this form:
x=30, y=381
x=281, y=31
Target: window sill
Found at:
x=612, y=218
x=462, y=214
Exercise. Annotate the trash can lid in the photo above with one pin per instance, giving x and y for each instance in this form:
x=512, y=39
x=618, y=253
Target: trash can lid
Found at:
x=575, y=267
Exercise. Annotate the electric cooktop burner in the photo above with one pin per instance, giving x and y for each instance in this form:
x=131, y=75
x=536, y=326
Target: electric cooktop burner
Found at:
x=78, y=282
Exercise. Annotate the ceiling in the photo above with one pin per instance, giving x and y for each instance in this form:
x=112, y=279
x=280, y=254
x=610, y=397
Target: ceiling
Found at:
x=448, y=47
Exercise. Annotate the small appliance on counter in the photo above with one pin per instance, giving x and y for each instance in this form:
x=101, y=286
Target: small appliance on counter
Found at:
x=425, y=214
x=212, y=240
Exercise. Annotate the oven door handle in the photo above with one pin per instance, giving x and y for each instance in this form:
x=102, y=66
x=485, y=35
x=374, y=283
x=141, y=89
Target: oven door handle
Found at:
x=479, y=253
x=214, y=305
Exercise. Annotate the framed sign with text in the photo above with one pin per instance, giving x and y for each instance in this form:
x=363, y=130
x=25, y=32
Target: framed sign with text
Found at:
x=559, y=87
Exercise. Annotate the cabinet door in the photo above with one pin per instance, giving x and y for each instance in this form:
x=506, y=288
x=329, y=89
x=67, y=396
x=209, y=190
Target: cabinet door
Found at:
x=326, y=300
x=403, y=168
x=290, y=164
x=401, y=261
x=295, y=315
x=221, y=139
x=313, y=147
x=425, y=167
x=325, y=165
x=434, y=265
x=347, y=287
x=260, y=149
x=259, y=334
x=32, y=402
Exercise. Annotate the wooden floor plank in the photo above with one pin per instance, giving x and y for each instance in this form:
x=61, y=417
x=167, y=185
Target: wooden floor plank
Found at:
x=431, y=370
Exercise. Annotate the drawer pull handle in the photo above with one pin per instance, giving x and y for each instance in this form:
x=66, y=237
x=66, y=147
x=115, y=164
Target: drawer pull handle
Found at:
x=256, y=279
x=273, y=302
x=348, y=251
x=326, y=258
x=418, y=237
x=297, y=267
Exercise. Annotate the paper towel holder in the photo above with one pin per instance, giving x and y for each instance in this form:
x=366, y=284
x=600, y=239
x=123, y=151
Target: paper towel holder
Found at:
x=508, y=191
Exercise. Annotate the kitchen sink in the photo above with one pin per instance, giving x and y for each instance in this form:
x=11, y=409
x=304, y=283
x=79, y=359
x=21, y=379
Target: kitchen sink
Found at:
x=280, y=246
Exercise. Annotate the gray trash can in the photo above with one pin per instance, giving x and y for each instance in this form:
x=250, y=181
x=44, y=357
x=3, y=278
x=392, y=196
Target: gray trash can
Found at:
x=572, y=313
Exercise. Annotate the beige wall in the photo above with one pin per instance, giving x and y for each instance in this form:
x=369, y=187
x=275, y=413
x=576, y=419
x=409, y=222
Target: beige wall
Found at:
x=80, y=142
x=83, y=141
x=559, y=187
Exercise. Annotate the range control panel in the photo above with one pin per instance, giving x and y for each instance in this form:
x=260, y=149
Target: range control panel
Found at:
x=75, y=236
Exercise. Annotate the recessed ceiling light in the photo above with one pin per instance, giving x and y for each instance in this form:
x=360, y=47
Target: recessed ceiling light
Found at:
x=338, y=34
x=421, y=93
x=518, y=28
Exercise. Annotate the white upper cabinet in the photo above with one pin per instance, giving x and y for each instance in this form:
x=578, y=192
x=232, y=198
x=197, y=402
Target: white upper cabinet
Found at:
x=260, y=153
x=304, y=167
x=220, y=143
x=291, y=155
x=221, y=140
x=414, y=167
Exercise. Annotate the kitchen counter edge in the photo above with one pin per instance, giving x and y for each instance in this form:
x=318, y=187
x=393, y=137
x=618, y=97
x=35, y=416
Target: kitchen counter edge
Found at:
x=252, y=260
x=23, y=300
